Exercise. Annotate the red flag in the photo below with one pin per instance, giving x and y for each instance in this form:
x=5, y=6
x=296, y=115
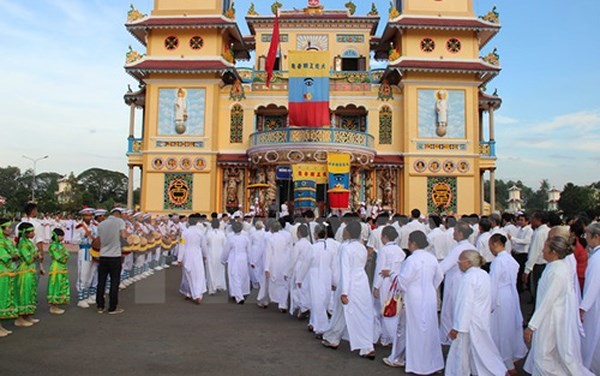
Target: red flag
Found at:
x=272, y=56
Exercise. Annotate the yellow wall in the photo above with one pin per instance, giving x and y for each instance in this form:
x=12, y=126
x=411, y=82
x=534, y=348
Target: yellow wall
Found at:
x=454, y=8
x=213, y=46
x=411, y=44
x=190, y=7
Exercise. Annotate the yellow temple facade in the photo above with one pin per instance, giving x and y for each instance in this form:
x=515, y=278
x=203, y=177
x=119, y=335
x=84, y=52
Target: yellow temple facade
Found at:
x=408, y=104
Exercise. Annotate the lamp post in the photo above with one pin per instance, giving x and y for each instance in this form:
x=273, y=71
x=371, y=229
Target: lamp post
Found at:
x=35, y=161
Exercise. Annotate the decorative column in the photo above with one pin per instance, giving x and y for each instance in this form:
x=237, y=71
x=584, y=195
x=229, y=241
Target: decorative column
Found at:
x=482, y=192
x=493, y=190
x=130, y=188
x=491, y=121
x=480, y=125
x=131, y=119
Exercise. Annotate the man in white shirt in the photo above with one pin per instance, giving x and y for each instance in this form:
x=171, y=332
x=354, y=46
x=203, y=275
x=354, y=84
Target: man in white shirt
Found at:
x=536, y=264
x=520, y=243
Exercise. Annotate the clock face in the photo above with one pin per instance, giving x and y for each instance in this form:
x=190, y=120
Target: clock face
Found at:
x=312, y=42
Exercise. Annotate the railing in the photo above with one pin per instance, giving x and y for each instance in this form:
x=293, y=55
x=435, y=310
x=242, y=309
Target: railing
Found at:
x=305, y=135
x=352, y=77
x=487, y=148
x=135, y=145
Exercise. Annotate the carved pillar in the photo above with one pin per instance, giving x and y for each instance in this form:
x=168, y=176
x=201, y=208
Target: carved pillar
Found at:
x=130, y=188
x=131, y=119
x=491, y=121
x=492, y=190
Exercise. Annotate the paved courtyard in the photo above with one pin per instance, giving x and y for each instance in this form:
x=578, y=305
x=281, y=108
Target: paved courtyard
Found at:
x=161, y=334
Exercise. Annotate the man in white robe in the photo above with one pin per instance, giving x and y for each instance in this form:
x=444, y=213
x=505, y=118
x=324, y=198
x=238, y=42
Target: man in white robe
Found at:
x=473, y=350
x=317, y=271
x=452, y=275
x=278, y=252
x=215, y=271
x=590, y=305
x=353, y=311
x=506, y=323
x=419, y=345
x=235, y=254
x=195, y=246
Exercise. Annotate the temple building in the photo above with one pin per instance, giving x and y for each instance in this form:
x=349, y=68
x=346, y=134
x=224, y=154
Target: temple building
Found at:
x=407, y=105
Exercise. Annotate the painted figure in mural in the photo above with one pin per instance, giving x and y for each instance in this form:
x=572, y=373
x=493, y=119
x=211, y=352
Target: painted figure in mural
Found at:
x=232, y=187
x=441, y=108
x=181, y=113
x=387, y=188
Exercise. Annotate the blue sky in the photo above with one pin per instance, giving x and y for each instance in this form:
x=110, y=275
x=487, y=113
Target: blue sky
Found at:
x=63, y=81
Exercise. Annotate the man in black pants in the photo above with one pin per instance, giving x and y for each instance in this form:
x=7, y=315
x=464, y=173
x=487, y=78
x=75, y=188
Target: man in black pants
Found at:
x=110, y=232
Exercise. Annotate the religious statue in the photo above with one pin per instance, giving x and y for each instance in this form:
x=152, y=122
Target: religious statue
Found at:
x=441, y=109
x=387, y=184
x=232, y=184
x=355, y=188
x=181, y=113
x=271, y=180
x=368, y=186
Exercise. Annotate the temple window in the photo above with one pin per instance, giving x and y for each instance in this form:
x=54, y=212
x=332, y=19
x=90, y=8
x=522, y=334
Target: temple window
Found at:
x=271, y=117
x=351, y=118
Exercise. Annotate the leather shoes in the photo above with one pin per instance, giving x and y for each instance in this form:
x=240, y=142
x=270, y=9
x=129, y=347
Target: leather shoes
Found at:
x=370, y=356
x=328, y=344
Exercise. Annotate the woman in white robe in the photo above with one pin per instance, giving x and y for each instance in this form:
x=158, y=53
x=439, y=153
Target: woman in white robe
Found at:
x=317, y=270
x=506, y=323
x=590, y=305
x=419, y=279
x=195, y=245
x=353, y=311
x=473, y=350
x=278, y=252
x=389, y=260
x=215, y=271
x=553, y=330
x=235, y=255
x=452, y=275
x=257, y=250
x=299, y=294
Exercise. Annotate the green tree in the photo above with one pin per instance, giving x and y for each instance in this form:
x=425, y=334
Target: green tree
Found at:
x=46, y=192
x=71, y=198
x=575, y=199
x=538, y=200
x=103, y=187
x=13, y=189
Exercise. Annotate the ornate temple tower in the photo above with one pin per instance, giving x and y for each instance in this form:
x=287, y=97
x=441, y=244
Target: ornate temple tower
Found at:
x=216, y=137
x=433, y=48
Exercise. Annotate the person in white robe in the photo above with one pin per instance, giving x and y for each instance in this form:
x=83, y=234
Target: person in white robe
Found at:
x=390, y=259
x=277, y=259
x=353, y=311
x=483, y=241
x=235, y=255
x=473, y=351
x=299, y=294
x=452, y=275
x=317, y=271
x=506, y=324
x=553, y=330
x=195, y=245
x=256, y=256
x=417, y=343
x=215, y=271
x=590, y=304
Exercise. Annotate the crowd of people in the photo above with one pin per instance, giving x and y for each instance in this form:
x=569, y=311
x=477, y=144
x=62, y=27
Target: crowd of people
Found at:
x=410, y=283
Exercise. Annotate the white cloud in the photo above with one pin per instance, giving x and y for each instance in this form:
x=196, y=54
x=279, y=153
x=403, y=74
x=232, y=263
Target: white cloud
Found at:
x=504, y=120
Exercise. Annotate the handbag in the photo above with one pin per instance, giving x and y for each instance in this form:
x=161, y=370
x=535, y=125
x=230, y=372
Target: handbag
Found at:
x=393, y=305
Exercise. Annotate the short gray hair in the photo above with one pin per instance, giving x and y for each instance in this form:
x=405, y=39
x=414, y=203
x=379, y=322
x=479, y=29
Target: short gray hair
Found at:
x=473, y=257
x=594, y=229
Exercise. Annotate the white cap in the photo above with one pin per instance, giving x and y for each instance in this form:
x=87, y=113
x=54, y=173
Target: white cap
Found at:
x=120, y=210
x=87, y=211
x=98, y=212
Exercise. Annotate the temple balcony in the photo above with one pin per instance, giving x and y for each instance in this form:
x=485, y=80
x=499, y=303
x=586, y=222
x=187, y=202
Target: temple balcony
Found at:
x=305, y=144
x=338, y=80
x=134, y=146
x=487, y=149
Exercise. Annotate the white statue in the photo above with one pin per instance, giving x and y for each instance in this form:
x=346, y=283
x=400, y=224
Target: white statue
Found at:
x=181, y=114
x=441, y=107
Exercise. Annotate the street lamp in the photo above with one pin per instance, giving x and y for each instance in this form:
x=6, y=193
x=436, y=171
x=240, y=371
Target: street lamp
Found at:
x=35, y=161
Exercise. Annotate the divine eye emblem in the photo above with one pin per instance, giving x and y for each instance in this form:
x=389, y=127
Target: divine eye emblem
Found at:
x=308, y=84
x=427, y=45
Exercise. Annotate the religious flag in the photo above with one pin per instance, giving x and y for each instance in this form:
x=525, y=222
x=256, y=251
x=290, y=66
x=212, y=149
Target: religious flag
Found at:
x=338, y=166
x=272, y=55
x=308, y=88
x=310, y=171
